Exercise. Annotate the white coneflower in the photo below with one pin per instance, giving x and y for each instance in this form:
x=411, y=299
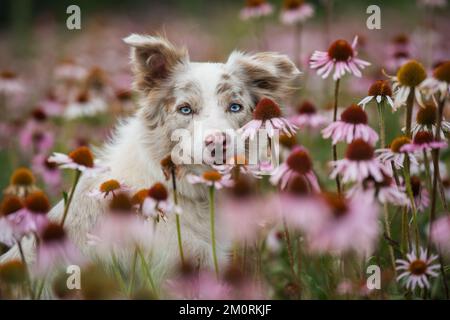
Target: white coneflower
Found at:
x=439, y=82
x=379, y=91
x=417, y=269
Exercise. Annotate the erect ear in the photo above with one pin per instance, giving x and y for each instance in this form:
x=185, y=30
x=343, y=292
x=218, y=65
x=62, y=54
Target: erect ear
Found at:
x=267, y=73
x=154, y=60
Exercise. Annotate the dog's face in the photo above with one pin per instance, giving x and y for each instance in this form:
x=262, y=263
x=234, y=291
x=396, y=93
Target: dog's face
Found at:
x=179, y=94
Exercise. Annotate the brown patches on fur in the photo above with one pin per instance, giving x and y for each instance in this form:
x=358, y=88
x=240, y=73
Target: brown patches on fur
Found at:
x=154, y=60
x=267, y=74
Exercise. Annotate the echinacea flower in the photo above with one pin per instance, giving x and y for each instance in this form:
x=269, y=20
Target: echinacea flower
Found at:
x=80, y=159
x=55, y=250
x=109, y=189
x=296, y=11
x=353, y=125
x=423, y=141
x=299, y=162
x=245, y=215
x=342, y=57
x=10, y=83
x=48, y=171
x=307, y=117
x=358, y=164
x=426, y=118
x=36, y=137
x=255, y=9
x=379, y=91
x=8, y=232
x=85, y=105
x=432, y=3
x=21, y=183
x=417, y=269
x=385, y=191
x=395, y=154
x=211, y=178
x=267, y=115
x=121, y=228
x=439, y=82
x=347, y=225
x=409, y=77
x=440, y=233
x=238, y=164
x=157, y=203
x=420, y=194
x=69, y=70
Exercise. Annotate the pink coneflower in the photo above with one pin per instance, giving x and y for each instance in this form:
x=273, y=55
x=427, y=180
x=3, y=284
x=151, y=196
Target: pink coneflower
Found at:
x=296, y=11
x=238, y=164
x=299, y=206
x=417, y=269
x=423, y=141
x=85, y=105
x=69, y=70
x=36, y=137
x=353, y=125
x=51, y=105
x=211, y=178
x=440, y=233
x=201, y=285
x=157, y=203
x=349, y=224
x=55, y=250
x=432, y=3
x=121, y=228
x=385, y=191
x=9, y=231
x=243, y=214
x=420, y=194
x=267, y=115
x=48, y=171
x=341, y=56
x=426, y=118
x=25, y=217
x=394, y=153
x=10, y=84
x=307, y=117
x=358, y=164
x=409, y=77
x=21, y=183
x=439, y=82
x=379, y=91
x=109, y=189
x=299, y=162
x=80, y=159
x=255, y=9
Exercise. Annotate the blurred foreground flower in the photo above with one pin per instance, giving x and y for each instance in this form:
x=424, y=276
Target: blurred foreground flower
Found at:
x=255, y=9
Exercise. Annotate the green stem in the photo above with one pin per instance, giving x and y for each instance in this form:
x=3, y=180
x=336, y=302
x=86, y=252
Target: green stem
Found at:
x=387, y=226
x=117, y=273
x=336, y=98
x=213, y=232
x=287, y=238
x=177, y=218
x=69, y=200
x=411, y=198
x=27, y=271
x=380, y=107
x=426, y=162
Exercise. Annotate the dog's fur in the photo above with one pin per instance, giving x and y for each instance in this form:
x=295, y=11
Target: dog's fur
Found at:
x=166, y=80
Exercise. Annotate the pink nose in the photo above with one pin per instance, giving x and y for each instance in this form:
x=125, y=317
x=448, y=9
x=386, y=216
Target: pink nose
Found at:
x=217, y=140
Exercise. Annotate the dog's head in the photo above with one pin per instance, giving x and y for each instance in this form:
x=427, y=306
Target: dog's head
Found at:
x=179, y=94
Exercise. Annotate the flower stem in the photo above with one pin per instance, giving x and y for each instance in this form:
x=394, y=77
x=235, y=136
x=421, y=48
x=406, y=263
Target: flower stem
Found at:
x=426, y=162
x=380, y=107
x=409, y=112
x=213, y=232
x=133, y=272
x=27, y=271
x=298, y=43
x=287, y=238
x=336, y=97
x=175, y=200
x=411, y=198
x=69, y=200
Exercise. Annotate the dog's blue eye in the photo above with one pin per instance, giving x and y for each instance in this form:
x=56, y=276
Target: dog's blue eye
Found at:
x=186, y=110
x=235, y=107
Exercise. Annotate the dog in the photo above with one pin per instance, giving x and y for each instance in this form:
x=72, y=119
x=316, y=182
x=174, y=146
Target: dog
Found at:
x=174, y=93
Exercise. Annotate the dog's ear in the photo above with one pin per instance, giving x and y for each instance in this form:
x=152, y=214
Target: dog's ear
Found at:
x=154, y=60
x=267, y=73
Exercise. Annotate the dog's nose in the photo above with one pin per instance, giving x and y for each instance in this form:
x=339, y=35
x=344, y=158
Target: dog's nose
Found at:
x=217, y=141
